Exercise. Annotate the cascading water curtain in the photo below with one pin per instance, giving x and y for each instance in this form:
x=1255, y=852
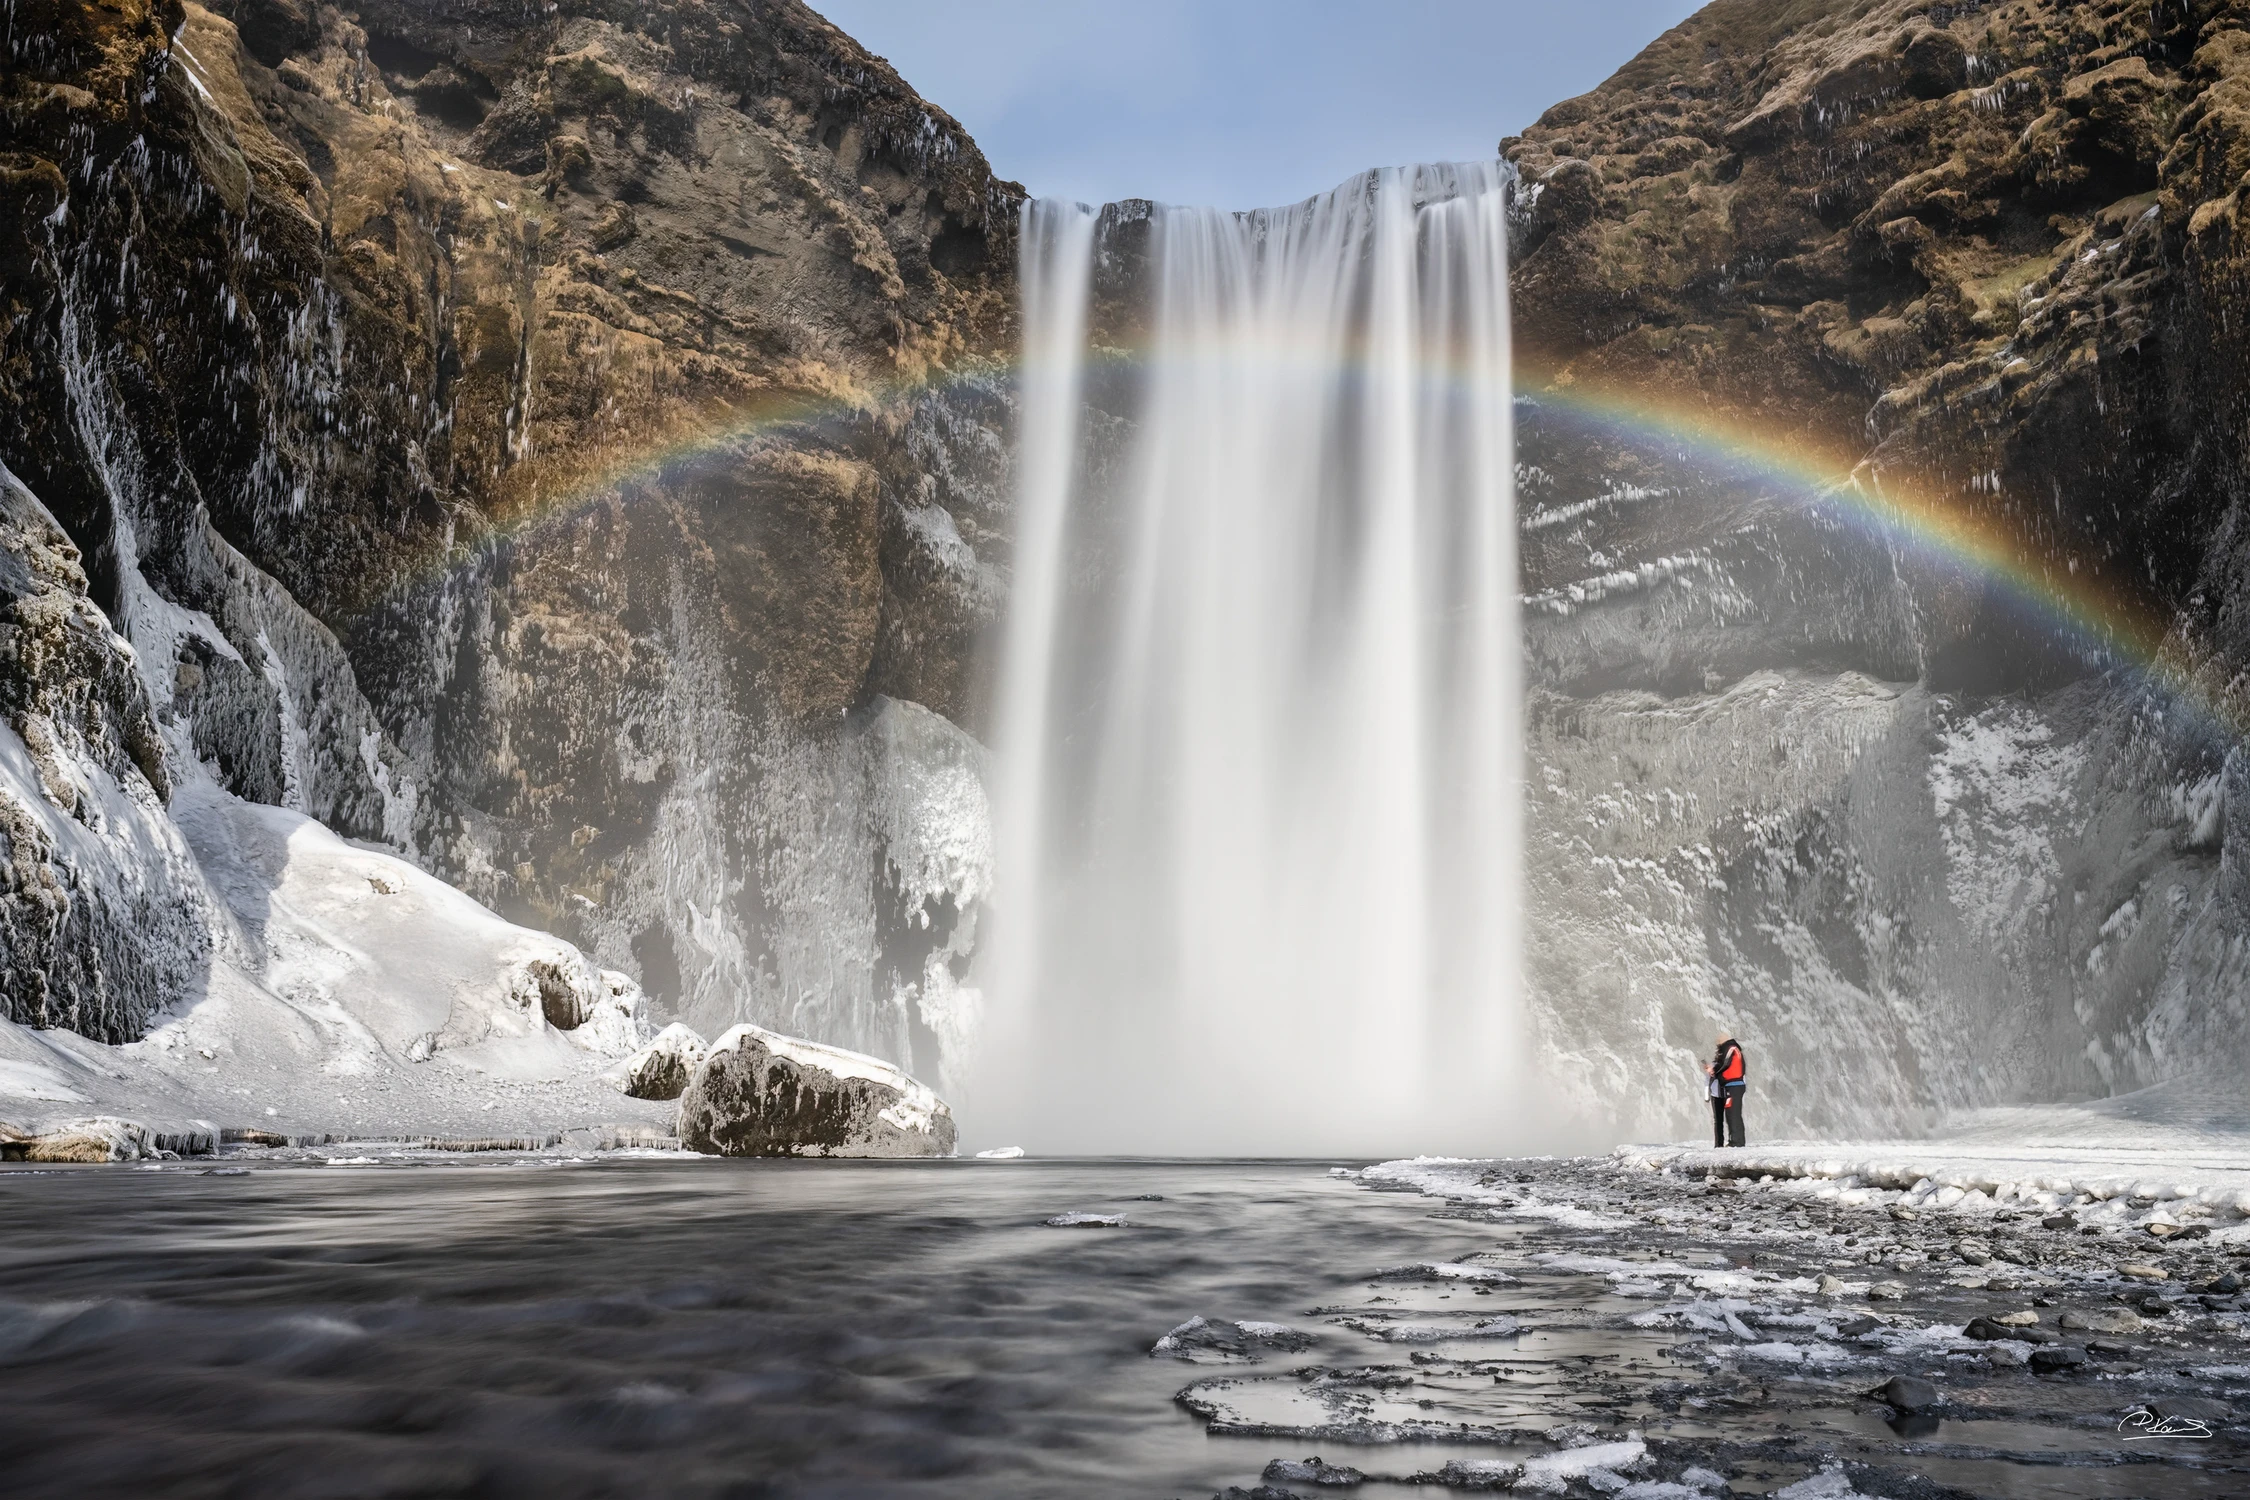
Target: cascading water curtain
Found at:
x=1259, y=722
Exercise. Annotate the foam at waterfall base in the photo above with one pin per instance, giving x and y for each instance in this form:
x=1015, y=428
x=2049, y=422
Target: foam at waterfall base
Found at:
x=349, y=992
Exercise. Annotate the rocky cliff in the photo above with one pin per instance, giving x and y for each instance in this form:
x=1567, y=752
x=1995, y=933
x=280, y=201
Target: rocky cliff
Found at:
x=1883, y=478
x=567, y=446
x=560, y=444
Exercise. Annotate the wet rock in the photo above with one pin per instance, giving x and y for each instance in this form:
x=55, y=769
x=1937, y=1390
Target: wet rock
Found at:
x=1085, y=1221
x=1829, y=1286
x=758, y=1093
x=2192, y=1409
x=1480, y=1474
x=2101, y=1320
x=2142, y=1271
x=1256, y=1492
x=2058, y=1360
x=103, y=1138
x=1309, y=1471
x=1987, y=1329
x=2225, y=1285
x=1974, y=1252
x=2020, y=1319
x=1215, y=1341
x=2059, y=1221
x=1858, y=1327
x=1887, y=1291
x=1908, y=1393
x=661, y=1070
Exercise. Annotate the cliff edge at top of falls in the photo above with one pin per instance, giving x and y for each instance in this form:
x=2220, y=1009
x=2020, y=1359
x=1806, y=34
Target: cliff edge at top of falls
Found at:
x=560, y=443
x=1883, y=414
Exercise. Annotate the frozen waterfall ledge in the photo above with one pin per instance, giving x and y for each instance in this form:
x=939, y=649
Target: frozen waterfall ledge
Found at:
x=758, y=1093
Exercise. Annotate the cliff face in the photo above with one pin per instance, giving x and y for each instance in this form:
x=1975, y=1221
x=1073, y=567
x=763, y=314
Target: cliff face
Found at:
x=570, y=448
x=548, y=441
x=1875, y=774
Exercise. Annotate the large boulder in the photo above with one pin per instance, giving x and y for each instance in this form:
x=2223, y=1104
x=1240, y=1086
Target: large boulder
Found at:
x=758, y=1093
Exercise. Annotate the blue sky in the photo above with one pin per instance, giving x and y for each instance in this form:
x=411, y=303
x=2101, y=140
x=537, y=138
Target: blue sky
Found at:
x=1243, y=103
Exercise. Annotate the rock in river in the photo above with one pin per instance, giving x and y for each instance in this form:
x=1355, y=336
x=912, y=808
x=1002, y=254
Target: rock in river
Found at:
x=2102, y=1320
x=758, y=1093
x=1907, y=1393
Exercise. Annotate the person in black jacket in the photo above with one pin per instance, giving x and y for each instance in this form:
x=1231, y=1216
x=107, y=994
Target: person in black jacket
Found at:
x=1729, y=1076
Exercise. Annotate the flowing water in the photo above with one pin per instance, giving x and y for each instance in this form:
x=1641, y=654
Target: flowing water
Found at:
x=1258, y=797
x=723, y=1328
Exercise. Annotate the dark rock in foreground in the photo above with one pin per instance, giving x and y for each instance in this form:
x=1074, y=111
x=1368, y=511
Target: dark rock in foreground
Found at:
x=661, y=1070
x=758, y=1093
x=1908, y=1393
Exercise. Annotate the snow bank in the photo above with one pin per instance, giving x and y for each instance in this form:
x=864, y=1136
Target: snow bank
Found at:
x=348, y=991
x=2131, y=1161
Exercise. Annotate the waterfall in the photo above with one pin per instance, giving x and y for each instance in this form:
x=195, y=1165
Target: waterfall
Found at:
x=1258, y=800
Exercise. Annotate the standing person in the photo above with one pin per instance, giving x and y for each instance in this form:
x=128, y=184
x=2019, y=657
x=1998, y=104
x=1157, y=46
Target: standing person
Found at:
x=1729, y=1078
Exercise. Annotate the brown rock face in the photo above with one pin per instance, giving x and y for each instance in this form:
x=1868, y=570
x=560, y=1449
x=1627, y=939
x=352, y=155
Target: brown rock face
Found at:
x=1877, y=771
x=571, y=422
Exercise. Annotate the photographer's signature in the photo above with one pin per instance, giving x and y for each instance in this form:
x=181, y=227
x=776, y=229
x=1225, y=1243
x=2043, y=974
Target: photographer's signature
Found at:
x=2139, y=1426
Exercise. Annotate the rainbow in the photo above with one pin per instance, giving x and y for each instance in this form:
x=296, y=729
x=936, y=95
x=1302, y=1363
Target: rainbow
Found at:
x=2110, y=625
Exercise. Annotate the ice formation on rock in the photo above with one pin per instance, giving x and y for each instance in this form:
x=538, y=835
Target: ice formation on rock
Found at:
x=757, y=1093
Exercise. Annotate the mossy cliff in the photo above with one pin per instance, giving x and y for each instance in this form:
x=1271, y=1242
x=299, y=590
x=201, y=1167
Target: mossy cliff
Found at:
x=569, y=444
x=544, y=439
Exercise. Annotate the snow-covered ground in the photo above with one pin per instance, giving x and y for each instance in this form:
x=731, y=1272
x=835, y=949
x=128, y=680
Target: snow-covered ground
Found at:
x=2172, y=1157
x=348, y=993
x=2178, y=1153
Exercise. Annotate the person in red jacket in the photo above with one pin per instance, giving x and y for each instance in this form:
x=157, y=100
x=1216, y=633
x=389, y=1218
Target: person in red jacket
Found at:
x=1729, y=1078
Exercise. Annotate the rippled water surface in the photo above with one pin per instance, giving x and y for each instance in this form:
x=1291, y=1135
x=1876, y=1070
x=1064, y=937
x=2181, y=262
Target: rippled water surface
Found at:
x=706, y=1328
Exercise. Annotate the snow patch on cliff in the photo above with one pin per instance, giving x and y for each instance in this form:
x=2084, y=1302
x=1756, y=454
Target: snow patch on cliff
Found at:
x=2002, y=786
